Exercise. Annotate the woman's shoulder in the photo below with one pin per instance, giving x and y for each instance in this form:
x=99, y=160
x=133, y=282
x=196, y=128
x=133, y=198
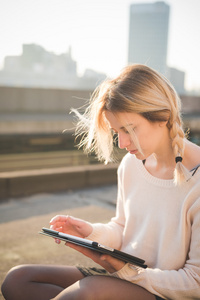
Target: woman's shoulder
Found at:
x=128, y=161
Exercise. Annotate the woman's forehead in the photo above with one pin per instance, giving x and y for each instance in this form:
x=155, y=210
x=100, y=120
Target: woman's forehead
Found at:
x=122, y=119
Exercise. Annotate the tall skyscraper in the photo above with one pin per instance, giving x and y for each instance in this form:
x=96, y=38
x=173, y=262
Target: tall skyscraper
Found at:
x=148, y=34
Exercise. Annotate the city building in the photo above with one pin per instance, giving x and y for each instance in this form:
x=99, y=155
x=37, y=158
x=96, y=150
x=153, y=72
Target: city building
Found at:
x=148, y=35
x=37, y=67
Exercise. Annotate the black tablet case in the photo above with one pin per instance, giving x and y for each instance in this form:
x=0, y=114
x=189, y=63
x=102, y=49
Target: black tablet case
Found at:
x=94, y=246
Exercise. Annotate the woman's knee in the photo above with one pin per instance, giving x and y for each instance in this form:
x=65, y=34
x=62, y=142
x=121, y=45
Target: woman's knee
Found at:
x=13, y=278
x=88, y=289
x=82, y=289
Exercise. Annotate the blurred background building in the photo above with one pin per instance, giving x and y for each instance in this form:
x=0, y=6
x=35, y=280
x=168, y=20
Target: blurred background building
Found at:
x=36, y=67
x=38, y=87
x=148, y=40
x=147, y=44
x=148, y=35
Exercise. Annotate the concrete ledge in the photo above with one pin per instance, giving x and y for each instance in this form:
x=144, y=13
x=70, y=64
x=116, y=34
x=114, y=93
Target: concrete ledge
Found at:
x=27, y=182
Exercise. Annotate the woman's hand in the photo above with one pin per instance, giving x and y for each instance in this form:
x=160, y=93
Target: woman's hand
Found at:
x=108, y=262
x=71, y=225
x=81, y=228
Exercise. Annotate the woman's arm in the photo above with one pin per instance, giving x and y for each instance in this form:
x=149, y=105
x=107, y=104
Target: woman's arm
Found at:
x=111, y=234
x=183, y=283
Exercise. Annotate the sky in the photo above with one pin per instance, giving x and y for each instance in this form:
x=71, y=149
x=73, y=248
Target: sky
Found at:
x=97, y=31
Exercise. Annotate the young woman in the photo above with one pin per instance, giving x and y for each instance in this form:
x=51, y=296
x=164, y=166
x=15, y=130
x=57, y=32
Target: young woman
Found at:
x=158, y=206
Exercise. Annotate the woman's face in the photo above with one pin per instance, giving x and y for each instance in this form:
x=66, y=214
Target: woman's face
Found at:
x=138, y=135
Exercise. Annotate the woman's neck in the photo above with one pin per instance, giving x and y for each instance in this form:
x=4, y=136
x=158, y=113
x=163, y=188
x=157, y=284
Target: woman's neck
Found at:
x=161, y=167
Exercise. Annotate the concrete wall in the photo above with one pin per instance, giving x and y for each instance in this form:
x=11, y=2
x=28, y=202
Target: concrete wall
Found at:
x=34, y=100
x=22, y=183
x=37, y=110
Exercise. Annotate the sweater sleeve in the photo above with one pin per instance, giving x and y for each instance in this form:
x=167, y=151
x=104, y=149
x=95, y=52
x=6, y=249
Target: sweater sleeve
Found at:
x=110, y=234
x=172, y=284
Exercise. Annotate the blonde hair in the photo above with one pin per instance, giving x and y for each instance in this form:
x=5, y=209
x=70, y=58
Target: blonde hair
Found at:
x=137, y=89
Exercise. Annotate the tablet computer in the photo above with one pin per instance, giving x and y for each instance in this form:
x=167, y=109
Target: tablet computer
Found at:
x=94, y=246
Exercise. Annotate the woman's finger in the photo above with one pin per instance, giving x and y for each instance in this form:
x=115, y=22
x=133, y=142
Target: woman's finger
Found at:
x=58, y=218
x=85, y=251
x=57, y=241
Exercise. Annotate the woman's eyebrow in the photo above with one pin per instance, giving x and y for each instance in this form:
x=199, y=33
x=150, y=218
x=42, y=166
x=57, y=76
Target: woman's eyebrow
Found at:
x=124, y=127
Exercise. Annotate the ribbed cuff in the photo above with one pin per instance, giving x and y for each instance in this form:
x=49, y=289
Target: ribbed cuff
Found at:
x=127, y=271
x=96, y=232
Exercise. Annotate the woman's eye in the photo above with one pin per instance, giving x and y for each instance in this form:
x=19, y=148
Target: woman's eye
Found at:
x=129, y=131
x=126, y=131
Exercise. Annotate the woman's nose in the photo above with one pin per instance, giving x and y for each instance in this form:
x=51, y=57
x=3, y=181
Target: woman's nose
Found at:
x=123, y=140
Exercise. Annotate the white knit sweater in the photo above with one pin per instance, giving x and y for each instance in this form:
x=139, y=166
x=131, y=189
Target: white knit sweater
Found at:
x=160, y=223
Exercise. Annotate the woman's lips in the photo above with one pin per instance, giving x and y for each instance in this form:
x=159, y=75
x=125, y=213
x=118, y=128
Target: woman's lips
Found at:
x=133, y=151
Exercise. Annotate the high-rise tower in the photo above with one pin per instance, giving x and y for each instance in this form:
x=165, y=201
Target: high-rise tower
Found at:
x=148, y=34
